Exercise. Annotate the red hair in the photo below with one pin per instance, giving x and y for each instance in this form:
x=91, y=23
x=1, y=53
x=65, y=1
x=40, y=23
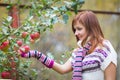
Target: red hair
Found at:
x=90, y=21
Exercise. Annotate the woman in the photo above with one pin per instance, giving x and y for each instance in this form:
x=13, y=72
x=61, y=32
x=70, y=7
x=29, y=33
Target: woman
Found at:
x=94, y=59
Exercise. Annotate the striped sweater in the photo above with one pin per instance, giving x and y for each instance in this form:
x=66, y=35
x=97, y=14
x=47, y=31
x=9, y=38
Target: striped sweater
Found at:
x=92, y=66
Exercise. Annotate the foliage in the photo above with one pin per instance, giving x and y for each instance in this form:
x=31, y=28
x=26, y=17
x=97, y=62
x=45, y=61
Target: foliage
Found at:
x=43, y=14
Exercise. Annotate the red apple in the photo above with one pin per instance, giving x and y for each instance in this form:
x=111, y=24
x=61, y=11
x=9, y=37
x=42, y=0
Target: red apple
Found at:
x=4, y=46
x=35, y=35
x=32, y=36
x=5, y=75
x=25, y=49
x=24, y=34
x=6, y=43
x=19, y=42
x=32, y=41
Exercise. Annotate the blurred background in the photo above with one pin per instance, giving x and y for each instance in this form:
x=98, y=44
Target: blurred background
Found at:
x=60, y=40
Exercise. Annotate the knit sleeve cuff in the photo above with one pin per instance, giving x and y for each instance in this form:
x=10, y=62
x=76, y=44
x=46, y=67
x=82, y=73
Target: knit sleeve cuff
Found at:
x=111, y=58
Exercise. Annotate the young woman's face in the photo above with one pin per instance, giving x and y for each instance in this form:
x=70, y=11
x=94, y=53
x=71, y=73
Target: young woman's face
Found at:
x=80, y=31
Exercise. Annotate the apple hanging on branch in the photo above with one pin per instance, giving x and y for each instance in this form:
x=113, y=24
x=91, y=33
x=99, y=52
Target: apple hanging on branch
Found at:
x=35, y=35
x=25, y=48
x=24, y=34
x=4, y=46
x=19, y=43
x=6, y=75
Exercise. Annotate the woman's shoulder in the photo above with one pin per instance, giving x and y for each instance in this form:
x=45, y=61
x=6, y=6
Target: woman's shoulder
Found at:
x=105, y=46
x=106, y=42
x=108, y=45
x=104, y=49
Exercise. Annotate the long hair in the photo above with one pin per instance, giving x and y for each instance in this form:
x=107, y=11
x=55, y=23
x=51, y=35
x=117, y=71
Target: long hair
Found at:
x=90, y=22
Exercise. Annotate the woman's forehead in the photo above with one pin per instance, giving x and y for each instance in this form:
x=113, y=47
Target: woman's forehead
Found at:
x=78, y=24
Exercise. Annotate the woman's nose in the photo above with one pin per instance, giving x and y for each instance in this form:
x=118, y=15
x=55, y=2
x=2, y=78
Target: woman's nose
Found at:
x=76, y=32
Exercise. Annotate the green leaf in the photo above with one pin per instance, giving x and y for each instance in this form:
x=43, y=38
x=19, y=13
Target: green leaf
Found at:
x=81, y=1
x=55, y=8
x=9, y=18
x=63, y=8
x=33, y=5
x=34, y=72
x=30, y=18
x=8, y=7
x=65, y=18
x=69, y=13
x=54, y=20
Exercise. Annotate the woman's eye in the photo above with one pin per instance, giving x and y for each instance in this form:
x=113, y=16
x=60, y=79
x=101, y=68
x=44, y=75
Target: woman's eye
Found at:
x=79, y=28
